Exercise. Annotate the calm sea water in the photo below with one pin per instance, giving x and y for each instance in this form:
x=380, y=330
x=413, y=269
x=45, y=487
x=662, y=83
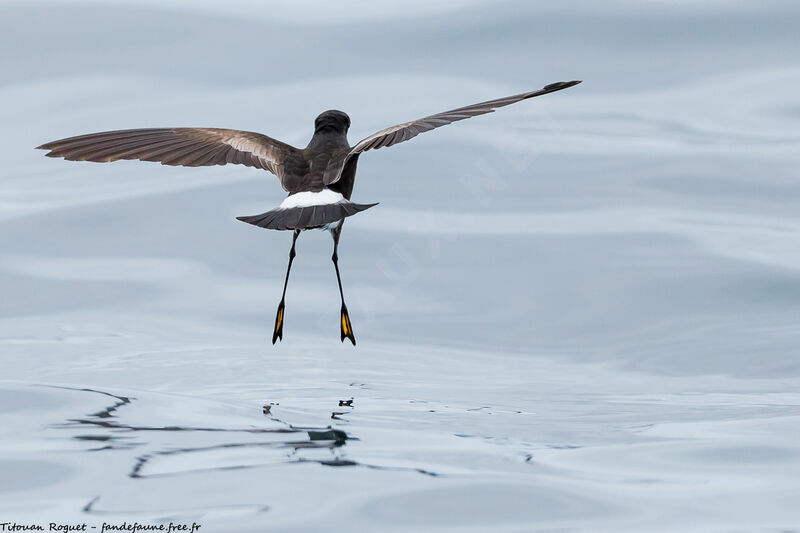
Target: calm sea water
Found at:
x=578, y=313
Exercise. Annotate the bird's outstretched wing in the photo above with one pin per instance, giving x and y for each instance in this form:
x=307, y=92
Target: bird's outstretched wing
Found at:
x=403, y=132
x=189, y=147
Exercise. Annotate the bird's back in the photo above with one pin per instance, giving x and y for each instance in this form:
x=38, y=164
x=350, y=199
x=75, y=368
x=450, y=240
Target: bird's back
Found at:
x=304, y=170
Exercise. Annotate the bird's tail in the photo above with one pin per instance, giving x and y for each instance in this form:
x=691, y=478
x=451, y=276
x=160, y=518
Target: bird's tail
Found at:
x=314, y=216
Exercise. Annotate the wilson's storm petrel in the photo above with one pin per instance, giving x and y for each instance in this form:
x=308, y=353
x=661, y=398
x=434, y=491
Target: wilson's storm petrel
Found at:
x=319, y=178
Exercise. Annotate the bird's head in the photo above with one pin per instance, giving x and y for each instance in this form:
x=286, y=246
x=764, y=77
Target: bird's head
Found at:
x=333, y=120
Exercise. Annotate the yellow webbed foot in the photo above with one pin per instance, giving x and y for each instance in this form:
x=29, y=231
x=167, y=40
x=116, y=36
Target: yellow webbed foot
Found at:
x=347, y=328
x=278, y=331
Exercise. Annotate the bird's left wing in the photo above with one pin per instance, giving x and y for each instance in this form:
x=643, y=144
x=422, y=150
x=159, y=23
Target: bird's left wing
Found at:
x=190, y=147
x=403, y=132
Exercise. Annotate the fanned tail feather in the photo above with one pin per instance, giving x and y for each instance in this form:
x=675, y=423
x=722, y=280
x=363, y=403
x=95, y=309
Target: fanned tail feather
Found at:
x=314, y=216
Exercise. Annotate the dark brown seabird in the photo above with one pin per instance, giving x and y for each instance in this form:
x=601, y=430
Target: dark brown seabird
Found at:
x=318, y=178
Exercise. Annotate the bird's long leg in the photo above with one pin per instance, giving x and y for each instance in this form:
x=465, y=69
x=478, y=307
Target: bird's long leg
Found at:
x=344, y=320
x=278, y=331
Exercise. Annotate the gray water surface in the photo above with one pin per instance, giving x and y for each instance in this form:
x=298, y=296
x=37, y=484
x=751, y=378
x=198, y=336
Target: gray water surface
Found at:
x=581, y=312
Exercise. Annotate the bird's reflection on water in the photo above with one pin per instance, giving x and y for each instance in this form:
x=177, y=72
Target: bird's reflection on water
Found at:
x=294, y=444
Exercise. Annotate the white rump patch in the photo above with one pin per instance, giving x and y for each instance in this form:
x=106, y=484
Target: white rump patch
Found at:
x=307, y=199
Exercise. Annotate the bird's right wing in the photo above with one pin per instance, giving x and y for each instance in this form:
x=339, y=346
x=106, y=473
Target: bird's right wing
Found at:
x=407, y=130
x=190, y=147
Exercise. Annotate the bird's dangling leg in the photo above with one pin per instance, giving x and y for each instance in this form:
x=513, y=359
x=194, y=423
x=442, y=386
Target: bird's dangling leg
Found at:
x=344, y=319
x=278, y=331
